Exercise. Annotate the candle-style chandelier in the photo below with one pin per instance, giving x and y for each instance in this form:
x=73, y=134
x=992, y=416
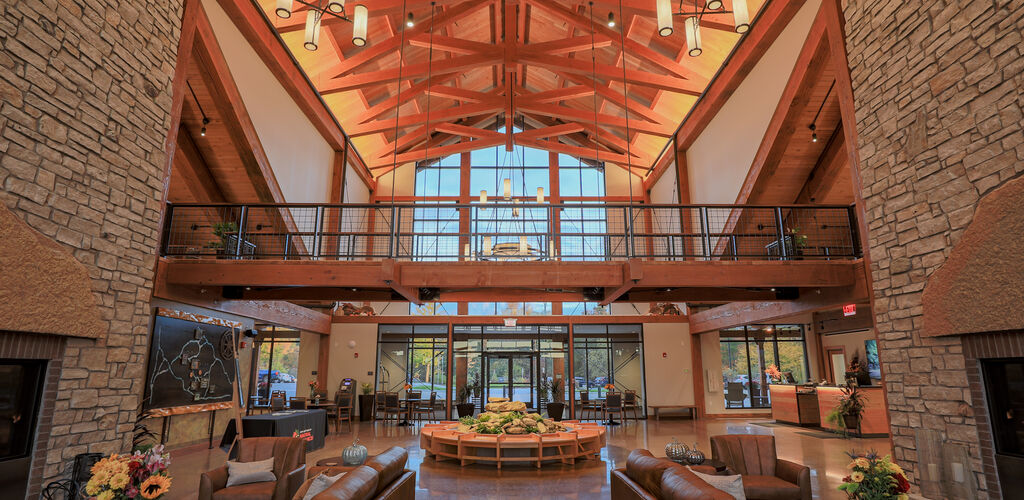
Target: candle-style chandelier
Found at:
x=691, y=22
x=316, y=13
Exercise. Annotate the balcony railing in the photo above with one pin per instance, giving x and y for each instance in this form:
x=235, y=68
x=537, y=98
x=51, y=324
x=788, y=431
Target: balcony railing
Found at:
x=509, y=232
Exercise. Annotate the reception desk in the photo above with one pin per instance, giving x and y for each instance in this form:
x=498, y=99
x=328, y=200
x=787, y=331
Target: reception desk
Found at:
x=810, y=406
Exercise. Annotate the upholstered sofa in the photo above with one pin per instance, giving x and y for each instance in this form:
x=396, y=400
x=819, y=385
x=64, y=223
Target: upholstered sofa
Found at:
x=647, y=477
x=289, y=468
x=765, y=476
x=382, y=477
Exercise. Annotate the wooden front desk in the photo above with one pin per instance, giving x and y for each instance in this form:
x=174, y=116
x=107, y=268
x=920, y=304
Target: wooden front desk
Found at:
x=810, y=406
x=793, y=404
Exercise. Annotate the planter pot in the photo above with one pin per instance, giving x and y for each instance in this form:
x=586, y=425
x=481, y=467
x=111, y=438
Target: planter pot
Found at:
x=852, y=421
x=465, y=409
x=555, y=411
x=366, y=409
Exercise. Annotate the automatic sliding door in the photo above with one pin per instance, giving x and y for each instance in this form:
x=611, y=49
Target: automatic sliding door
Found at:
x=521, y=379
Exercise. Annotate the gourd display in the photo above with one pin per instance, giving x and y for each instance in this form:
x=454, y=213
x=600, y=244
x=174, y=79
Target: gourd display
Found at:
x=695, y=456
x=676, y=451
x=354, y=455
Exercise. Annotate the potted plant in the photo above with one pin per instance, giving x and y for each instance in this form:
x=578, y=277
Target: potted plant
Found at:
x=542, y=394
x=462, y=404
x=222, y=230
x=314, y=388
x=366, y=402
x=847, y=412
x=557, y=405
x=799, y=240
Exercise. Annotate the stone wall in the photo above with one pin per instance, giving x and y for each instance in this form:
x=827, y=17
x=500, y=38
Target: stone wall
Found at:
x=86, y=98
x=939, y=110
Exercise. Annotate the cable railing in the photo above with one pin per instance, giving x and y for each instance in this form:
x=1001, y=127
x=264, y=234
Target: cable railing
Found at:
x=509, y=232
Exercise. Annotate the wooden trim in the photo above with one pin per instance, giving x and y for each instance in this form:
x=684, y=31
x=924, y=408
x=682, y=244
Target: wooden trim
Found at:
x=697, y=365
x=323, y=360
x=522, y=320
x=774, y=17
x=749, y=414
x=276, y=312
x=264, y=40
x=744, y=313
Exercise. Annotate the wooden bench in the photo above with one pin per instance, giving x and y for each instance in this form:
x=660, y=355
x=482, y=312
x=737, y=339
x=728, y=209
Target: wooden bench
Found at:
x=657, y=410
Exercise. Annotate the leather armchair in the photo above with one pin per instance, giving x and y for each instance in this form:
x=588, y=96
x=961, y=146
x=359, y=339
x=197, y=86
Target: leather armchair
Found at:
x=289, y=468
x=383, y=477
x=765, y=475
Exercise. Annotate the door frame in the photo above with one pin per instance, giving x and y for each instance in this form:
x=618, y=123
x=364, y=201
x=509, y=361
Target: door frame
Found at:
x=509, y=357
x=829, y=351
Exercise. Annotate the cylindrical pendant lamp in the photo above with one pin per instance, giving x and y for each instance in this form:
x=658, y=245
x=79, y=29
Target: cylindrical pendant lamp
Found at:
x=664, y=8
x=284, y=9
x=540, y=195
x=741, y=16
x=359, y=19
x=313, y=18
x=507, y=188
x=336, y=6
x=693, y=36
x=487, y=245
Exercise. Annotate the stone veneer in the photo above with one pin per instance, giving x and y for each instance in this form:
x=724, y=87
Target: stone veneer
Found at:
x=86, y=97
x=939, y=111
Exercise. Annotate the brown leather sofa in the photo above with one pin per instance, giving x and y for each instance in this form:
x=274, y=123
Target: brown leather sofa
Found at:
x=647, y=477
x=382, y=477
x=765, y=475
x=289, y=467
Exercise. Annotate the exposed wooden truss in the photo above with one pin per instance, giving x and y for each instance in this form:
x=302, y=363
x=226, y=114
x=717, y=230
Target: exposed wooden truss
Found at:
x=541, y=62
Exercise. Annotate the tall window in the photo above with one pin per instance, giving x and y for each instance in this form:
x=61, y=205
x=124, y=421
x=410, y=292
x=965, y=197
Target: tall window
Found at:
x=748, y=351
x=608, y=354
x=434, y=309
x=413, y=354
x=276, y=367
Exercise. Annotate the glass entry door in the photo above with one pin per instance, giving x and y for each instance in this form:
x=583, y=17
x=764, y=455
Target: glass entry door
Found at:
x=509, y=376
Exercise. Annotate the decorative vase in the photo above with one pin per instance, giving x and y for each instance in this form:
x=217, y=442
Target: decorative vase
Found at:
x=695, y=456
x=676, y=451
x=465, y=409
x=366, y=407
x=555, y=411
x=354, y=455
x=852, y=421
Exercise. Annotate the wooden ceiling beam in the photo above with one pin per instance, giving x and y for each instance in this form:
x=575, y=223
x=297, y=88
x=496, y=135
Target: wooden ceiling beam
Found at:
x=377, y=49
x=609, y=72
x=569, y=45
x=618, y=99
x=465, y=110
x=425, y=153
x=558, y=147
x=556, y=96
x=389, y=104
x=635, y=48
x=827, y=170
x=449, y=44
x=458, y=94
x=409, y=72
x=194, y=170
x=466, y=131
x=552, y=131
x=583, y=116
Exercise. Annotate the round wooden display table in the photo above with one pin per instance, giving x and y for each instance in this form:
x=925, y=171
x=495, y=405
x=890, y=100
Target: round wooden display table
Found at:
x=444, y=442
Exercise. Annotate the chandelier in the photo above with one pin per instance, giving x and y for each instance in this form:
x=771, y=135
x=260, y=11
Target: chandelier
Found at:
x=691, y=23
x=316, y=13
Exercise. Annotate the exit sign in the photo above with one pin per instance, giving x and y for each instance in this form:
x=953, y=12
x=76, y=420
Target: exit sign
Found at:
x=850, y=310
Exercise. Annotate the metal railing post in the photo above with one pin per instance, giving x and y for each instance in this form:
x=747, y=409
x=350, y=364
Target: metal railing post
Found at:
x=705, y=232
x=732, y=243
x=318, y=230
x=242, y=215
x=851, y=216
x=628, y=212
x=781, y=233
x=287, y=245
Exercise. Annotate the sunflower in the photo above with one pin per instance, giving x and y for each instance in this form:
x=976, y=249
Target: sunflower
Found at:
x=155, y=486
x=119, y=481
x=857, y=477
x=862, y=463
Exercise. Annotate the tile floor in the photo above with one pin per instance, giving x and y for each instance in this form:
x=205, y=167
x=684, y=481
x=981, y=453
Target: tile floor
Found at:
x=587, y=479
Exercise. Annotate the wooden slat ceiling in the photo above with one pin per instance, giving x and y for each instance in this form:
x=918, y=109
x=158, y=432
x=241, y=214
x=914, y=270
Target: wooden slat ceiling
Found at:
x=490, y=57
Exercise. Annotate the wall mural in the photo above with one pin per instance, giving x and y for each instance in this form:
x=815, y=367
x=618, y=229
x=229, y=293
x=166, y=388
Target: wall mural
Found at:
x=191, y=360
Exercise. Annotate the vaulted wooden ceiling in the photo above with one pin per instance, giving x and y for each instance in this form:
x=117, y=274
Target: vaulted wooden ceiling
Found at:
x=470, y=67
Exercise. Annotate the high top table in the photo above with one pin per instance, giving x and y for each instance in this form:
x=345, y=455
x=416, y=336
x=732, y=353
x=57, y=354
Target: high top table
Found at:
x=310, y=425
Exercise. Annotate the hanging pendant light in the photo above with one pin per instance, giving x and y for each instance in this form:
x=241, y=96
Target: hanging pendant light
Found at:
x=665, y=17
x=523, y=247
x=487, y=245
x=551, y=249
x=410, y=21
x=540, y=195
x=611, y=20
x=336, y=6
x=740, y=16
x=714, y=4
x=284, y=9
x=692, y=26
x=483, y=198
x=360, y=16
x=313, y=18
x=515, y=209
x=465, y=251
x=507, y=188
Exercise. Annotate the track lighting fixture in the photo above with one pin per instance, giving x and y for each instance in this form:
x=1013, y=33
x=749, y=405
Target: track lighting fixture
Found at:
x=813, y=126
x=206, y=121
x=202, y=131
x=611, y=19
x=410, y=21
x=814, y=135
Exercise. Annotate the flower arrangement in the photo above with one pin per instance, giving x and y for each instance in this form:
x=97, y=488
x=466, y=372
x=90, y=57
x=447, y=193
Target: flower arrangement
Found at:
x=773, y=373
x=875, y=478
x=143, y=474
x=407, y=386
x=609, y=386
x=314, y=387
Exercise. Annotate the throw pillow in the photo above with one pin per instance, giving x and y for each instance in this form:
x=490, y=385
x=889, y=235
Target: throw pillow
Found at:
x=250, y=472
x=732, y=485
x=319, y=484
